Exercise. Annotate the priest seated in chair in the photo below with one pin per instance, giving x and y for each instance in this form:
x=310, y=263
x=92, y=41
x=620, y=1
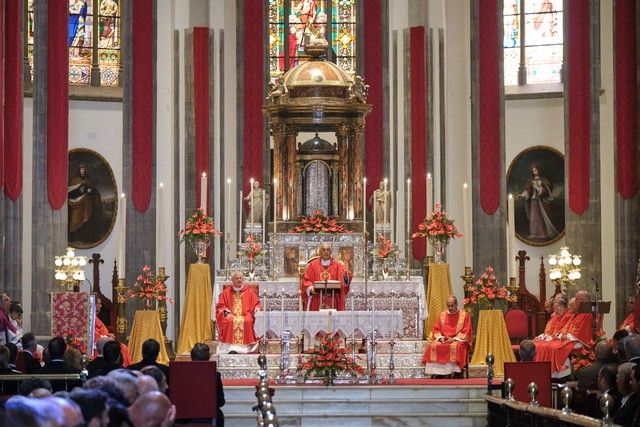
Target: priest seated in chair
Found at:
x=448, y=349
x=326, y=282
x=235, y=317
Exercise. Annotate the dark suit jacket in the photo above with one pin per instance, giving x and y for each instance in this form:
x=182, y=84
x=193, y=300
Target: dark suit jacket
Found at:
x=95, y=366
x=588, y=377
x=626, y=413
x=8, y=388
x=31, y=364
x=59, y=367
x=110, y=367
x=141, y=364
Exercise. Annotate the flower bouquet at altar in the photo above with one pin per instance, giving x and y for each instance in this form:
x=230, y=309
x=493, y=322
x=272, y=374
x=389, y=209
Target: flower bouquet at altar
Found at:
x=149, y=289
x=382, y=251
x=327, y=359
x=198, y=231
x=439, y=229
x=487, y=293
x=251, y=250
x=72, y=340
x=319, y=223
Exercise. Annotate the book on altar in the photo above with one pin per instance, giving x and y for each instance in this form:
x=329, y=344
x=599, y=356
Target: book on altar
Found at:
x=327, y=285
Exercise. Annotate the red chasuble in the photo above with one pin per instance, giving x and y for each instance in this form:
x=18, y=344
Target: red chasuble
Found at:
x=629, y=324
x=456, y=325
x=99, y=331
x=316, y=272
x=237, y=327
x=557, y=351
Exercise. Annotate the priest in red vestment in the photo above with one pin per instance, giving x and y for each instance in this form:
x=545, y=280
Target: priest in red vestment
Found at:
x=100, y=330
x=628, y=324
x=321, y=269
x=235, y=316
x=447, y=352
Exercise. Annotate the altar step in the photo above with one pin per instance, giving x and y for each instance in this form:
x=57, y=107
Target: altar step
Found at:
x=363, y=405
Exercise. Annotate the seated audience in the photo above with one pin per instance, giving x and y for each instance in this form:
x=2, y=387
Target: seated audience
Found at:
x=150, y=352
x=607, y=384
x=527, y=351
x=57, y=347
x=618, y=346
x=73, y=358
x=112, y=357
x=100, y=330
x=201, y=352
x=15, y=315
x=5, y=356
x=588, y=377
x=235, y=316
x=110, y=386
x=152, y=409
x=447, y=352
x=628, y=323
x=629, y=401
x=94, y=405
x=27, y=386
x=158, y=375
x=632, y=348
x=29, y=348
x=127, y=382
x=49, y=411
x=95, y=366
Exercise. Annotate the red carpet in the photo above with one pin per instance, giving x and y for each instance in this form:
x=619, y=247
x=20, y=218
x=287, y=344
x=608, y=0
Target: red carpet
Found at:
x=402, y=382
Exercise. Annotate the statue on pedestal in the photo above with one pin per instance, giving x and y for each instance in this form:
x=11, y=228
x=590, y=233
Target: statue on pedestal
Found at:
x=381, y=201
x=257, y=198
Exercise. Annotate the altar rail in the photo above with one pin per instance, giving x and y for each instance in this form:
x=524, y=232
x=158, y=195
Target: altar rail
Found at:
x=502, y=412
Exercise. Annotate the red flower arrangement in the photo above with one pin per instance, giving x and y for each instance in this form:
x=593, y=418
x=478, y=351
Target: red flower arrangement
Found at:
x=148, y=287
x=251, y=249
x=384, y=248
x=437, y=227
x=487, y=291
x=198, y=227
x=319, y=223
x=328, y=358
x=72, y=340
x=581, y=358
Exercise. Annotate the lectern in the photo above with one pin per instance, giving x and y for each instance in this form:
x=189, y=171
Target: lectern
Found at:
x=598, y=309
x=329, y=287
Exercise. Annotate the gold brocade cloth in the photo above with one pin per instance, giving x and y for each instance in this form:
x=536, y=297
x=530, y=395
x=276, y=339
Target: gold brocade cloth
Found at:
x=196, y=315
x=146, y=324
x=438, y=289
x=492, y=337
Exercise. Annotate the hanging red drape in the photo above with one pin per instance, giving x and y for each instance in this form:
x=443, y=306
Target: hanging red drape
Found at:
x=57, y=102
x=2, y=49
x=579, y=104
x=201, y=107
x=253, y=75
x=142, y=103
x=373, y=153
x=13, y=101
x=489, y=105
x=418, y=69
x=626, y=92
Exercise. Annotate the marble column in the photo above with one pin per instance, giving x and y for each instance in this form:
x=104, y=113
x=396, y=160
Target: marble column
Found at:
x=342, y=134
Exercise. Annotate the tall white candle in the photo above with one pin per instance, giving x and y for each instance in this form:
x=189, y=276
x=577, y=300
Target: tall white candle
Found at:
x=364, y=206
x=160, y=231
x=384, y=204
x=122, y=243
x=394, y=202
x=466, y=218
x=408, y=227
x=264, y=220
x=203, y=192
x=227, y=218
x=251, y=205
x=512, y=237
x=275, y=206
x=240, y=218
x=429, y=205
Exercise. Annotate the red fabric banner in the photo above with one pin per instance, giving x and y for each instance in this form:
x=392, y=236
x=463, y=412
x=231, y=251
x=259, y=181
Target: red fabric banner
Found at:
x=57, y=102
x=201, y=107
x=626, y=92
x=373, y=153
x=142, y=103
x=489, y=105
x=2, y=42
x=13, y=101
x=579, y=104
x=418, y=69
x=253, y=75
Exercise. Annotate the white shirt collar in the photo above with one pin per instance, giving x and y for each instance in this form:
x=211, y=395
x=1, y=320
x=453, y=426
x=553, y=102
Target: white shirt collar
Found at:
x=325, y=262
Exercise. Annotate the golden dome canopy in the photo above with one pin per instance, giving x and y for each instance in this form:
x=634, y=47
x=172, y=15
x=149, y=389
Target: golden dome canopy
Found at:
x=318, y=74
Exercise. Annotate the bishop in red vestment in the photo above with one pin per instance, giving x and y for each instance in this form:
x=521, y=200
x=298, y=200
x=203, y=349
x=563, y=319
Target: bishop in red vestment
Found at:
x=320, y=269
x=452, y=332
x=235, y=313
x=628, y=324
x=100, y=330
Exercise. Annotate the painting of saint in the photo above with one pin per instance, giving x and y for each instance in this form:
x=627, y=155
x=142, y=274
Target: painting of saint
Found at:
x=91, y=199
x=536, y=181
x=291, y=254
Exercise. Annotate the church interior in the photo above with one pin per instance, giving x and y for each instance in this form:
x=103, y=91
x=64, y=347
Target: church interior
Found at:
x=423, y=189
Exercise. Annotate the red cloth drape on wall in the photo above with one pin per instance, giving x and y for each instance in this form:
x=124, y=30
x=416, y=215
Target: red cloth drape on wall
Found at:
x=579, y=104
x=57, y=102
x=373, y=153
x=418, y=69
x=253, y=73
x=626, y=92
x=13, y=101
x=489, y=105
x=2, y=42
x=201, y=107
x=142, y=103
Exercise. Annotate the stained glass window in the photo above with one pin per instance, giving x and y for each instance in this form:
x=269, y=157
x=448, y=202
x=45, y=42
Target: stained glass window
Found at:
x=543, y=40
x=290, y=19
x=84, y=55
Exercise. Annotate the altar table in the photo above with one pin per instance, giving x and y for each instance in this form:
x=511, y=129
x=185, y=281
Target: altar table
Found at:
x=196, y=315
x=492, y=337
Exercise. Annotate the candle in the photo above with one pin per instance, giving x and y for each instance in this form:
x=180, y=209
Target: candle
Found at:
x=159, y=232
x=282, y=310
x=123, y=236
x=240, y=218
x=275, y=206
x=264, y=318
x=429, y=204
x=408, y=227
x=203, y=192
x=512, y=237
x=394, y=201
x=264, y=221
x=393, y=317
x=466, y=217
x=353, y=319
x=373, y=314
x=364, y=206
x=251, y=205
x=227, y=218
x=384, y=203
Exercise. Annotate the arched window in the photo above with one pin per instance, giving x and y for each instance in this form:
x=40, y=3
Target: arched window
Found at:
x=90, y=63
x=533, y=38
x=288, y=21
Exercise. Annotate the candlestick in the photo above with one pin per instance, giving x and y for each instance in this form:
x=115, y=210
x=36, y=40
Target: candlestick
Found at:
x=251, y=196
x=512, y=237
x=275, y=206
x=203, y=192
x=282, y=310
x=159, y=232
x=394, y=200
x=429, y=205
x=122, y=243
x=364, y=207
x=393, y=317
x=466, y=217
x=264, y=220
x=240, y=219
x=384, y=204
x=264, y=318
x=353, y=320
x=408, y=209
x=373, y=313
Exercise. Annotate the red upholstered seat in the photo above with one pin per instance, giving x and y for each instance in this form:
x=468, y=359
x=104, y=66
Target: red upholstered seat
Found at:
x=20, y=361
x=523, y=374
x=192, y=388
x=517, y=325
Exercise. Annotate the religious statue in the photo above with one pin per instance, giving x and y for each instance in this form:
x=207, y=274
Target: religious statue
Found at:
x=258, y=203
x=359, y=89
x=381, y=201
x=276, y=90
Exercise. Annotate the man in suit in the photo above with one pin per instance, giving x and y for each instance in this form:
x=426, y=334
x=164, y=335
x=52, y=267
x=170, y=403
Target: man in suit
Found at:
x=588, y=377
x=201, y=352
x=112, y=355
x=56, y=365
x=95, y=366
x=29, y=348
x=632, y=348
x=630, y=401
x=150, y=352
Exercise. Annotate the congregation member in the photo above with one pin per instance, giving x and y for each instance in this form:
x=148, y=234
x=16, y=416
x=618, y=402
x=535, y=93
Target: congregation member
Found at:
x=6, y=326
x=95, y=366
x=235, y=316
x=632, y=348
x=152, y=409
x=155, y=373
x=150, y=353
x=201, y=352
x=29, y=348
x=607, y=384
x=112, y=354
x=56, y=365
x=322, y=269
x=628, y=322
x=447, y=351
x=100, y=330
x=588, y=377
x=527, y=351
x=15, y=316
x=630, y=401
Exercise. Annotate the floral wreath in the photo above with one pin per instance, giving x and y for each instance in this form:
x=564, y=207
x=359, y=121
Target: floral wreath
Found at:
x=319, y=223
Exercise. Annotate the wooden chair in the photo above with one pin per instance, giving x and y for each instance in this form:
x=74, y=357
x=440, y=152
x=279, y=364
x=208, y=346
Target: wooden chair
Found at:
x=524, y=373
x=518, y=327
x=192, y=388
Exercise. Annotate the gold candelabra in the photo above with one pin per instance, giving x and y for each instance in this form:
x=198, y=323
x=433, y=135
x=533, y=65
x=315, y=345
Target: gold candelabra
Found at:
x=121, y=322
x=70, y=269
x=164, y=314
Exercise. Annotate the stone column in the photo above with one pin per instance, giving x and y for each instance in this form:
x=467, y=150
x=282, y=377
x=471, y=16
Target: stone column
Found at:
x=342, y=134
x=357, y=155
x=277, y=133
x=291, y=149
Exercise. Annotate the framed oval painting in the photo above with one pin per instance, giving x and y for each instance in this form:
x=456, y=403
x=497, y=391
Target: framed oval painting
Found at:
x=92, y=199
x=536, y=180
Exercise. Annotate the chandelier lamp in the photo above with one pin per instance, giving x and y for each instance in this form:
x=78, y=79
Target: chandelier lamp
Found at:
x=565, y=268
x=70, y=269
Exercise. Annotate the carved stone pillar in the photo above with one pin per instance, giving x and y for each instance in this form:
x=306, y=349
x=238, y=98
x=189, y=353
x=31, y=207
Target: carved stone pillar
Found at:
x=342, y=134
x=291, y=179
x=357, y=154
x=277, y=132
